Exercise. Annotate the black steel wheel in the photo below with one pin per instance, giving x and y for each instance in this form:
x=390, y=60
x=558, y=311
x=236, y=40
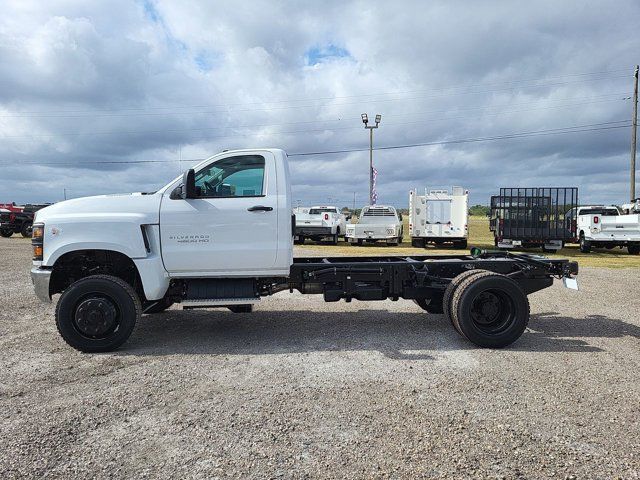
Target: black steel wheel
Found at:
x=490, y=310
x=97, y=313
x=25, y=231
x=5, y=232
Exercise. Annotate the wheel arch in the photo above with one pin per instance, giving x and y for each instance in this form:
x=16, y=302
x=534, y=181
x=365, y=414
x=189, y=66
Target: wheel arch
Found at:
x=76, y=264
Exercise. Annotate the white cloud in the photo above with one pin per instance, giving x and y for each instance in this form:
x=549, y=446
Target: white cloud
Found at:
x=86, y=82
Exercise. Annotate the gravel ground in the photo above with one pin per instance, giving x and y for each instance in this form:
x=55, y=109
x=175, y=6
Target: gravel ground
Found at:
x=300, y=388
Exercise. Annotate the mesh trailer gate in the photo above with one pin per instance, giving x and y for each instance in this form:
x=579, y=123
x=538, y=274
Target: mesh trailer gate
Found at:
x=531, y=217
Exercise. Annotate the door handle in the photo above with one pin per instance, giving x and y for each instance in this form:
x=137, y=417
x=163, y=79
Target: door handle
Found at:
x=259, y=208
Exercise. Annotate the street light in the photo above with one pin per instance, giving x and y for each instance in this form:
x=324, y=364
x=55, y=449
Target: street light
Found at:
x=365, y=120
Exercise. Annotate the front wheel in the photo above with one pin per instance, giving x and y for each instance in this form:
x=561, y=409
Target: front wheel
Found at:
x=97, y=313
x=25, y=231
x=5, y=232
x=633, y=249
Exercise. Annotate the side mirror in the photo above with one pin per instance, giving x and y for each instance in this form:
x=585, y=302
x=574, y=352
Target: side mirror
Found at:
x=189, y=184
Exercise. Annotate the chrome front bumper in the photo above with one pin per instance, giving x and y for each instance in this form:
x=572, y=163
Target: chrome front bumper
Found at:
x=40, y=279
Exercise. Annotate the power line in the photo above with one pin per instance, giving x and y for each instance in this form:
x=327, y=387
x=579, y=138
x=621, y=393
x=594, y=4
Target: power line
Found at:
x=594, y=127
x=587, y=100
x=140, y=112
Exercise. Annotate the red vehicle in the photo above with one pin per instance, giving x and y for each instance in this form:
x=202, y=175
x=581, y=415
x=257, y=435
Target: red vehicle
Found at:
x=17, y=219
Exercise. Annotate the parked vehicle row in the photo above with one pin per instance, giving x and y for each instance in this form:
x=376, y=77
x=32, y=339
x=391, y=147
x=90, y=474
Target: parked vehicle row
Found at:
x=17, y=219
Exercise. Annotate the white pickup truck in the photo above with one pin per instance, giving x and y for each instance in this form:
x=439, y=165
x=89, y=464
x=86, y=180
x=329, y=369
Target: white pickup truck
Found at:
x=439, y=217
x=221, y=235
x=376, y=223
x=319, y=223
x=605, y=227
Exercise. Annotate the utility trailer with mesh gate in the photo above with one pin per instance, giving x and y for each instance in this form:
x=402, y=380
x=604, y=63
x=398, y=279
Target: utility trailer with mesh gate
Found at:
x=533, y=217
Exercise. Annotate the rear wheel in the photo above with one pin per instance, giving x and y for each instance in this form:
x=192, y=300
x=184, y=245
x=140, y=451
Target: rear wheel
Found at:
x=97, y=313
x=490, y=310
x=418, y=242
x=634, y=249
x=448, y=293
x=334, y=239
x=299, y=240
x=585, y=246
x=460, y=244
x=5, y=232
x=25, y=231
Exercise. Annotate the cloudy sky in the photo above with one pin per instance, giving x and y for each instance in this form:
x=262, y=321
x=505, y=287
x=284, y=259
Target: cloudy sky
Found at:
x=103, y=97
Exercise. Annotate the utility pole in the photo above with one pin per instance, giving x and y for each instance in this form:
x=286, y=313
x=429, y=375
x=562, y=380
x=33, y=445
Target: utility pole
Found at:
x=365, y=120
x=354, y=202
x=65, y=193
x=634, y=130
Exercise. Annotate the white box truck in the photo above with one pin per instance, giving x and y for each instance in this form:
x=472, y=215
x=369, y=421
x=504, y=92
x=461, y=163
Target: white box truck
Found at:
x=439, y=217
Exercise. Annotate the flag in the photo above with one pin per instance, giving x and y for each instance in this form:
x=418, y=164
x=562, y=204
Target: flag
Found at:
x=374, y=192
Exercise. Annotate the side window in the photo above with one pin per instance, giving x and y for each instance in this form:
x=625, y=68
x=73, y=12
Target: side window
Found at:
x=232, y=177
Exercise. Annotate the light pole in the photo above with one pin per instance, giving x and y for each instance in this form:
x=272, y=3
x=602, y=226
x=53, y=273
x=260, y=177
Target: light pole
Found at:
x=365, y=120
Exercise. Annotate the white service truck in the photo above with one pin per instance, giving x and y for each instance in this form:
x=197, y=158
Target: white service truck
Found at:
x=221, y=235
x=319, y=223
x=376, y=223
x=600, y=226
x=439, y=217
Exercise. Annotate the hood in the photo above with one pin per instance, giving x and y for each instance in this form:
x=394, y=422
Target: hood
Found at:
x=144, y=207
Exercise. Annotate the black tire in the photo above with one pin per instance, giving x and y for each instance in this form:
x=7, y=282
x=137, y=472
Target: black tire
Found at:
x=25, y=231
x=490, y=310
x=633, y=249
x=248, y=308
x=157, y=306
x=97, y=313
x=418, y=242
x=431, y=306
x=6, y=233
x=585, y=247
x=299, y=240
x=334, y=239
x=461, y=244
x=448, y=293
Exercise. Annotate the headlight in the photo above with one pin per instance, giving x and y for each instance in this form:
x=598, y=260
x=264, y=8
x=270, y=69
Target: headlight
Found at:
x=37, y=241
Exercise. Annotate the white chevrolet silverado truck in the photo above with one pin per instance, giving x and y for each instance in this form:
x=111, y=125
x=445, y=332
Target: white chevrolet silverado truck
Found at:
x=221, y=235
x=319, y=223
x=376, y=223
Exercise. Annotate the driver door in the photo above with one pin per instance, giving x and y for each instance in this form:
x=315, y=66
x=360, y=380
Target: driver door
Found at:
x=232, y=227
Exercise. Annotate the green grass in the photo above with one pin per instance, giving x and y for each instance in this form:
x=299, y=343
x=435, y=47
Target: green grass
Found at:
x=479, y=236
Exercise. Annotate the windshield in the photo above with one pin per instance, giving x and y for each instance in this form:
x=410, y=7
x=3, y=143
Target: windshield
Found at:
x=317, y=211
